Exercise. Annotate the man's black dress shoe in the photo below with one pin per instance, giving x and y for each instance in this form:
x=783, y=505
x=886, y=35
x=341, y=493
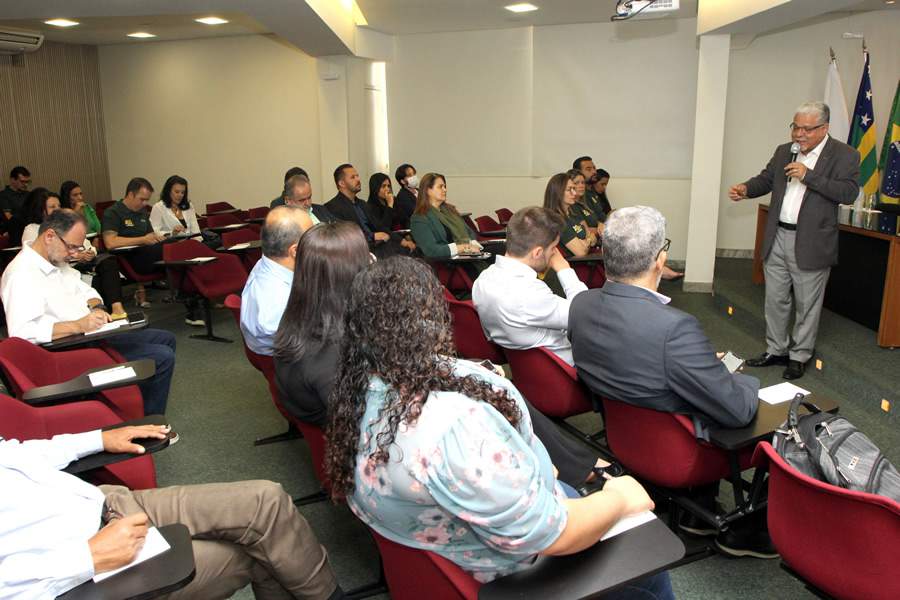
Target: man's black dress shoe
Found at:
x=766, y=360
x=794, y=370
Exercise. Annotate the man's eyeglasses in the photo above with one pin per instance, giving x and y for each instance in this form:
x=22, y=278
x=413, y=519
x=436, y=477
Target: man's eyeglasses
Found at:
x=795, y=127
x=665, y=247
x=69, y=247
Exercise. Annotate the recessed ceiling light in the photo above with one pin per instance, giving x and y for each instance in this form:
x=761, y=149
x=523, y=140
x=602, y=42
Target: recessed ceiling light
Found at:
x=141, y=35
x=522, y=7
x=211, y=21
x=61, y=23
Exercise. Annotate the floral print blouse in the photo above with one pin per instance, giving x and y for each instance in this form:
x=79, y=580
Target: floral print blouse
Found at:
x=461, y=482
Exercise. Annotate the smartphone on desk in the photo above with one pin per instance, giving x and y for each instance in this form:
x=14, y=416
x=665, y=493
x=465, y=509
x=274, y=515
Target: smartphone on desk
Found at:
x=136, y=316
x=732, y=362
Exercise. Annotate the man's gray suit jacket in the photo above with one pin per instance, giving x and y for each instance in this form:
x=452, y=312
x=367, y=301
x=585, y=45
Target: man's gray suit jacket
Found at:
x=629, y=346
x=835, y=180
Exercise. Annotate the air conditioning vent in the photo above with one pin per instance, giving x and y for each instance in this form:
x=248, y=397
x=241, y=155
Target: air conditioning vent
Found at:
x=18, y=41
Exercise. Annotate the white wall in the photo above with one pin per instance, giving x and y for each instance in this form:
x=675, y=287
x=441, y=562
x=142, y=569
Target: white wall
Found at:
x=231, y=115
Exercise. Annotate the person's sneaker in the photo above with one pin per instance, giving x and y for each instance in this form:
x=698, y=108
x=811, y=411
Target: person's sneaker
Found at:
x=738, y=543
x=694, y=525
x=194, y=320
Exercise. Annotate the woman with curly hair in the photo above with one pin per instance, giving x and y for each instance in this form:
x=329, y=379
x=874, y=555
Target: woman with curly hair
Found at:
x=438, y=453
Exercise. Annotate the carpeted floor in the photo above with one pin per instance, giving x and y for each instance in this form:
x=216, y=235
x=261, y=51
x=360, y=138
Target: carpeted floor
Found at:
x=220, y=404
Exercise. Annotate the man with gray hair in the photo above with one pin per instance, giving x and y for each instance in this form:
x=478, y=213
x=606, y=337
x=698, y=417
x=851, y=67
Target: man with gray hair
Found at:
x=298, y=193
x=630, y=345
x=269, y=284
x=808, y=178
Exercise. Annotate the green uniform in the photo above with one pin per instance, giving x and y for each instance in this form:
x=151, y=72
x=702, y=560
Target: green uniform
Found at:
x=90, y=215
x=594, y=203
x=574, y=228
x=126, y=222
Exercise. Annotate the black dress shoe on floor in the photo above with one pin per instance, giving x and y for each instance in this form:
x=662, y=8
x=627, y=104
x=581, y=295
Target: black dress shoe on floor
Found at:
x=766, y=360
x=794, y=370
x=740, y=543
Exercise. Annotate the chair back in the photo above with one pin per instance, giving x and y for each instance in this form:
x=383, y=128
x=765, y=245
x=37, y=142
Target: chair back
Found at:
x=548, y=382
x=218, y=206
x=258, y=212
x=470, y=223
x=100, y=208
x=486, y=223
x=452, y=276
x=413, y=574
x=661, y=447
x=845, y=543
x=222, y=220
x=468, y=335
x=252, y=255
x=503, y=215
x=132, y=275
x=214, y=280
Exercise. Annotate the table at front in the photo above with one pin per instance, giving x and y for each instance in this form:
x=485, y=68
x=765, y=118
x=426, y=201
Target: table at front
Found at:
x=865, y=284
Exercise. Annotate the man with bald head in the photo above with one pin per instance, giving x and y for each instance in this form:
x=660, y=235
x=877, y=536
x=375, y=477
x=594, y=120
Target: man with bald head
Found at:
x=269, y=285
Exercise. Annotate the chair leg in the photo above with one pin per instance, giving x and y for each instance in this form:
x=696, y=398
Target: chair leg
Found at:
x=292, y=433
x=209, y=330
x=320, y=496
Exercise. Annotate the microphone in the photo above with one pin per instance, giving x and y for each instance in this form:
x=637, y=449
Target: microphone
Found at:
x=795, y=150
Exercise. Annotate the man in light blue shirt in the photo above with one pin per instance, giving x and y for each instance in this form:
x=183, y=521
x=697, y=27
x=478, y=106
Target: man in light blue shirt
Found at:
x=269, y=285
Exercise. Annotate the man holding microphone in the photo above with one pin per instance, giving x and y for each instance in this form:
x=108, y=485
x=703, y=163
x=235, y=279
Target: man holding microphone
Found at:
x=808, y=178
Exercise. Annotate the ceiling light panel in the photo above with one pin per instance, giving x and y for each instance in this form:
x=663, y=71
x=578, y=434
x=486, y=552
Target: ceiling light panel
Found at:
x=141, y=35
x=211, y=20
x=61, y=23
x=521, y=7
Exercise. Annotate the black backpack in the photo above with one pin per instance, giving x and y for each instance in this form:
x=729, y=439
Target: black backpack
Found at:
x=829, y=448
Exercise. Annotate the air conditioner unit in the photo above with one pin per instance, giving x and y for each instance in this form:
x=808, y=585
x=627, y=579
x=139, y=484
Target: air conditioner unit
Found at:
x=18, y=41
x=646, y=9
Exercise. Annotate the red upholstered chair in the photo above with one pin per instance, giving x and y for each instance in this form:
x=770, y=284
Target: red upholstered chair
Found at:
x=28, y=366
x=100, y=208
x=201, y=221
x=842, y=542
x=592, y=273
x=548, y=382
x=222, y=220
x=413, y=574
x=251, y=256
x=451, y=275
x=468, y=336
x=214, y=207
x=132, y=275
x=259, y=212
x=211, y=281
x=504, y=215
x=22, y=422
x=486, y=223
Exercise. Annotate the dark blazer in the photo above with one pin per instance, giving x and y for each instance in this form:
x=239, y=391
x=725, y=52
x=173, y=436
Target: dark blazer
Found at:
x=342, y=210
x=322, y=213
x=629, y=346
x=404, y=206
x=304, y=385
x=834, y=181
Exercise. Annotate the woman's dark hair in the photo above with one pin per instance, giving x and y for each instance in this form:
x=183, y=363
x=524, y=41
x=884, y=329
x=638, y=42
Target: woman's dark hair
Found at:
x=604, y=200
x=555, y=193
x=375, y=183
x=64, y=190
x=406, y=342
x=36, y=204
x=328, y=257
x=600, y=174
x=166, y=194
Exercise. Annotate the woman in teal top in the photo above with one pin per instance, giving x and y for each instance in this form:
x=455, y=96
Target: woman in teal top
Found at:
x=561, y=196
x=72, y=197
x=437, y=228
x=438, y=453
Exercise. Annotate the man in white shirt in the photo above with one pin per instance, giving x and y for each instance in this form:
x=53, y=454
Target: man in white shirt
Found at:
x=58, y=531
x=267, y=290
x=800, y=243
x=516, y=308
x=45, y=299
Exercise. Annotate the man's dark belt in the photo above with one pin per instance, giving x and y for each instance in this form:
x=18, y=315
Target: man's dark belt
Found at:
x=788, y=226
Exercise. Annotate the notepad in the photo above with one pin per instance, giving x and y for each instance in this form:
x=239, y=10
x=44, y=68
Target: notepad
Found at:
x=126, y=247
x=782, y=392
x=240, y=246
x=154, y=545
x=233, y=226
x=626, y=523
x=107, y=327
x=111, y=375
x=201, y=259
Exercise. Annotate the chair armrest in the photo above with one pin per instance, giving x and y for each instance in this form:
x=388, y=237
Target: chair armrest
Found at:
x=81, y=386
x=101, y=459
x=187, y=263
x=588, y=258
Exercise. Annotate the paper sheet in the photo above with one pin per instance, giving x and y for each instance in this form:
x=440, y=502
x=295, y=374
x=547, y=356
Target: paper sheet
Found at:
x=627, y=523
x=781, y=392
x=111, y=375
x=126, y=247
x=233, y=226
x=201, y=259
x=240, y=246
x=154, y=545
x=107, y=327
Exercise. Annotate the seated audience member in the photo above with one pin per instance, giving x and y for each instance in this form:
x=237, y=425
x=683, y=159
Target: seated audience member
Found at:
x=439, y=453
x=309, y=337
x=298, y=194
x=72, y=196
x=383, y=205
x=651, y=354
x=279, y=201
x=516, y=309
x=591, y=218
x=269, y=285
x=561, y=198
x=125, y=223
x=437, y=227
x=12, y=202
x=59, y=531
x=585, y=166
x=174, y=214
x=596, y=194
x=45, y=299
x=40, y=204
x=405, y=202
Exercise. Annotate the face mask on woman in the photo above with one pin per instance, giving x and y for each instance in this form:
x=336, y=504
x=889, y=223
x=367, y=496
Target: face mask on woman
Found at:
x=412, y=181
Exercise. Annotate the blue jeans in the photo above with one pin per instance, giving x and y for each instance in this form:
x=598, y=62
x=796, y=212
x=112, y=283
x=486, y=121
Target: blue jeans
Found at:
x=657, y=587
x=159, y=346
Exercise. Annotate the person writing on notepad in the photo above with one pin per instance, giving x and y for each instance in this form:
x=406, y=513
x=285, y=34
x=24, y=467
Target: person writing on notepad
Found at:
x=45, y=299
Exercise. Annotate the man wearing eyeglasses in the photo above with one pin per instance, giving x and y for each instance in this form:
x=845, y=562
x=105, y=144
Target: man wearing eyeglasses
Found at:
x=801, y=239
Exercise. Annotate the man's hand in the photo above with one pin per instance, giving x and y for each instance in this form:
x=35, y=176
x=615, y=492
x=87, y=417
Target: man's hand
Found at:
x=737, y=192
x=381, y=236
x=83, y=256
x=118, y=543
x=635, y=496
x=92, y=321
x=796, y=170
x=153, y=237
x=119, y=440
x=557, y=261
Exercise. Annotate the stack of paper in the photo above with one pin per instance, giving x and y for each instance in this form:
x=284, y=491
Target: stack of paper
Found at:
x=782, y=392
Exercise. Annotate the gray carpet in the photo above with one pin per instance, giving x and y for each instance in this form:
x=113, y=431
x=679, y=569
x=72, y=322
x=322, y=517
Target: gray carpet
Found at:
x=220, y=404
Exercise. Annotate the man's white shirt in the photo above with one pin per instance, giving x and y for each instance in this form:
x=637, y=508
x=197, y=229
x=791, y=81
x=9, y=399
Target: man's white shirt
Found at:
x=796, y=189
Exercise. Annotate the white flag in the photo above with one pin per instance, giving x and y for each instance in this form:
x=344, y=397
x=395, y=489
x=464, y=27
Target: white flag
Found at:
x=839, y=128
